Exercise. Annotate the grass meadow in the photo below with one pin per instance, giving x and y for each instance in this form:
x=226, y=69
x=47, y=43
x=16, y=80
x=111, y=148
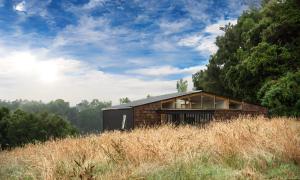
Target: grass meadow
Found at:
x=244, y=148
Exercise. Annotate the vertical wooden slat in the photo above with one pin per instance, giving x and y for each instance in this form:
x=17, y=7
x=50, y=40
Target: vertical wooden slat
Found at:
x=201, y=101
x=214, y=102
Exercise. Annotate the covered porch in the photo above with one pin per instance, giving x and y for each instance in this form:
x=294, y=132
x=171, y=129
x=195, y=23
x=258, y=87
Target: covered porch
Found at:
x=197, y=108
x=201, y=101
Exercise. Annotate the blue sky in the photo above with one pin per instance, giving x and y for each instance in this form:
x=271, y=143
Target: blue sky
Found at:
x=106, y=49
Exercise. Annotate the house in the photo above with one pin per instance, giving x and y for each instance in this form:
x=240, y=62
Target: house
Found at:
x=187, y=107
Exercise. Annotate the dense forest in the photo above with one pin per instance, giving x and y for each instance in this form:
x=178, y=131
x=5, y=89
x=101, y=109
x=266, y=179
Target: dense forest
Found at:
x=23, y=121
x=258, y=59
x=85, y=116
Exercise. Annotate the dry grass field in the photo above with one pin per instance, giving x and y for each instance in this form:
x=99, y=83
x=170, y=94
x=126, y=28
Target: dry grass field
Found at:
x=246, y=148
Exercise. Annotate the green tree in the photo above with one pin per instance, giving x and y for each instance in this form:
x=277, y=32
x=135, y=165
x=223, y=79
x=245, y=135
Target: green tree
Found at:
x=124, y=100
x=90, y=115
x=282, y=95
x=182, y=85
x=261, y=51
x=86, y=116
x=4, y=114
x=19, y=128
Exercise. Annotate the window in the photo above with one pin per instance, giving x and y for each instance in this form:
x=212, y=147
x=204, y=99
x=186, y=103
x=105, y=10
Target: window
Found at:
x=208, y=102
x=123, y=121
x=221, y=103
x=235, y=105
x=168, y=105
x=180, y=104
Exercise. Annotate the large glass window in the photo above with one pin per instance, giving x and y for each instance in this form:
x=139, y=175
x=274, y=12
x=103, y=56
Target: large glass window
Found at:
x=168, y=105
x=196, y=102
x=181, y=104
x=221, y=103
x=202, y=101
x=208, y=102
x=235, y=105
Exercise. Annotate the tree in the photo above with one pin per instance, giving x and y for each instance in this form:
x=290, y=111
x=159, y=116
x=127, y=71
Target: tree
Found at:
x=85, y=116
x=4, y=113
x=19, y=128
x=90, y=115
x=282, y=95
x=257, y=57
x=182, y=85
x=124, y=100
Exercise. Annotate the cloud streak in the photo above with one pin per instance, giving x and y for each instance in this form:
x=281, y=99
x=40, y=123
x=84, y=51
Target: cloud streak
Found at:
x=204, y=41
x=161, y=71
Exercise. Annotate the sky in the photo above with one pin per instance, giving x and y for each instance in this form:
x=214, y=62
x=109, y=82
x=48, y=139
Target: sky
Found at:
x=106, y=49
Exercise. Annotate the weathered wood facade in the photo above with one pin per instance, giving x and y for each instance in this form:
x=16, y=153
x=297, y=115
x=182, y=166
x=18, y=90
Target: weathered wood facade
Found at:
x=195, y=107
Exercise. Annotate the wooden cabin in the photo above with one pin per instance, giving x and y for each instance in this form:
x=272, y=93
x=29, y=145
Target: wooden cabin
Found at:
x=196, y=107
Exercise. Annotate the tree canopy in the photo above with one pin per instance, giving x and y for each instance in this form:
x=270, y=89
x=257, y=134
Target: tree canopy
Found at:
x=124, y=100
x=85, y=116
x=18, y=127
x=182, y=85
x=258, y=59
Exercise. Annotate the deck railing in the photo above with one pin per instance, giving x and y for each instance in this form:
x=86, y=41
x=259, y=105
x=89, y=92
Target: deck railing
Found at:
x=187, y=116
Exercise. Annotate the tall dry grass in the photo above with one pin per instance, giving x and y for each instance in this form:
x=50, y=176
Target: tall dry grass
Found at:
x=245, y=147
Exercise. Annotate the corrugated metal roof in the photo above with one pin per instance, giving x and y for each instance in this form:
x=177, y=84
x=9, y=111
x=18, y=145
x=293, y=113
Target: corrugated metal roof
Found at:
x=151, y=100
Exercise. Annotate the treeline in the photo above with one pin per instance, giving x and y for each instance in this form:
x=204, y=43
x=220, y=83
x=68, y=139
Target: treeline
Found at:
x=23, y=121
x=18, y=127
x=85, y=116
x=258, y=59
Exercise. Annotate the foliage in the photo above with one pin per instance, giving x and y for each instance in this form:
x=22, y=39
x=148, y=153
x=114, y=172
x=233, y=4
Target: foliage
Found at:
x=85, y=116
x=283, y=95
x=245, y=148
x=124, y=100
x=257, y=56
x=182, y=85
x=18, y=127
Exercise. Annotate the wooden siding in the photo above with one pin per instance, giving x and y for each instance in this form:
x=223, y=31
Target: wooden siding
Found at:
x=146, y=115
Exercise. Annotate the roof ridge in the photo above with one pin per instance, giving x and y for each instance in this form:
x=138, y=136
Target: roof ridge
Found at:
x=151, y=99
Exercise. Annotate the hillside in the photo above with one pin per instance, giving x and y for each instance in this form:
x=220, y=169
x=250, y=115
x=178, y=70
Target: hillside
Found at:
x=248, y=148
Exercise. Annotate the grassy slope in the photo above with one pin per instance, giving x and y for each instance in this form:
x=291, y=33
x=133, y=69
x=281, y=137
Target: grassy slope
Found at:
x=245, y=148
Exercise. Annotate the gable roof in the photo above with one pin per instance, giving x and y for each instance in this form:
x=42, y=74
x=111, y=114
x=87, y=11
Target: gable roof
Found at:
x=151, y=100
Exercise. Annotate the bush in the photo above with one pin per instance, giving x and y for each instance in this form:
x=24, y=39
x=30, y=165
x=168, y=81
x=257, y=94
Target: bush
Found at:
x=18, y=128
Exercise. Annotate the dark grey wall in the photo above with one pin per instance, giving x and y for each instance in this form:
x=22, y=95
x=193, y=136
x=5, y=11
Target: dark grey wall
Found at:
x=112, y=119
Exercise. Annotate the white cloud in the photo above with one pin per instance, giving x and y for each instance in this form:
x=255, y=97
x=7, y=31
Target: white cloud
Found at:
x=96, y=31
x=93, y=4
x=169, y=27
x=85, y=8
x=88, y=30
x=165, y=70
x=29, y=74
x=163, y=45
x=33, y=7
x=198, y=9
x=20, y=6
x=204, y=42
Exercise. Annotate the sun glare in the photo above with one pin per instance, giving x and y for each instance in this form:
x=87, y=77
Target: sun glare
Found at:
x=47, y=72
